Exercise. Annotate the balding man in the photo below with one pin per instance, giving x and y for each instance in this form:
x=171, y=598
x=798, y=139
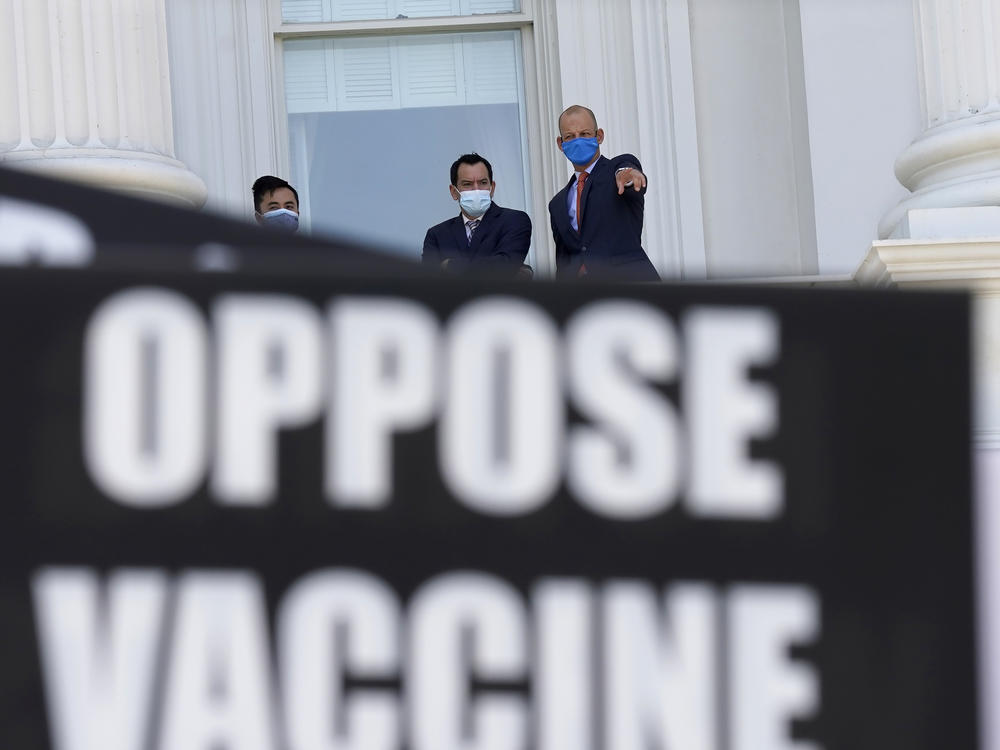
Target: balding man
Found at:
x=597, y=217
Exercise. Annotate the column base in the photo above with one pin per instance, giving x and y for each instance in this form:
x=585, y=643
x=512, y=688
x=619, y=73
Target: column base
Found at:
x=143, y=175
x=983, y=190
x=952, y=165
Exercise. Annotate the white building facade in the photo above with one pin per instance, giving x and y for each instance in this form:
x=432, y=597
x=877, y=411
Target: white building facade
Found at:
x=364, y=110
x=768, y=127
x=810, y=141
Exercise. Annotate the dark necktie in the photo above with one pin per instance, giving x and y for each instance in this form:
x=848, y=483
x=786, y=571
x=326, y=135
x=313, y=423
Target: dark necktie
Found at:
x=471, y=225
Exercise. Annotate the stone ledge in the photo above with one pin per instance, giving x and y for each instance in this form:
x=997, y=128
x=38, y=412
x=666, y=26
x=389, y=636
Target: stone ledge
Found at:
x=972, y=264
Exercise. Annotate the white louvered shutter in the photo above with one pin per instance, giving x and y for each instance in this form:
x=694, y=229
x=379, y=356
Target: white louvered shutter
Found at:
x=491, y=69
x=304, y=11
x=309, y=77
x=431, y=72
x=429, y=8
x=437, y=70
x=362, y=10
x=475, y=7
x=366, y=74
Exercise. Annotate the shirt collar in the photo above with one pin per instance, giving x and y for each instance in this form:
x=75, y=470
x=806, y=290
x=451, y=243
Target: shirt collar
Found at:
x=589, y=169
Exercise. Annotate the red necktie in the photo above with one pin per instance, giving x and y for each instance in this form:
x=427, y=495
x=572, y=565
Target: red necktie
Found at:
x=581, y=177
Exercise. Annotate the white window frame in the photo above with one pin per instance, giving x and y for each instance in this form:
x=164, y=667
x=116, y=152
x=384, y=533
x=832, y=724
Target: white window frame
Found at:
x=542, y=95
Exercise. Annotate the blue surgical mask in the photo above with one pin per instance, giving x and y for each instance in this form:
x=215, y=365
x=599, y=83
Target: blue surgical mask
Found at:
x=281, y=218
x=580, y=150
x=475, y=202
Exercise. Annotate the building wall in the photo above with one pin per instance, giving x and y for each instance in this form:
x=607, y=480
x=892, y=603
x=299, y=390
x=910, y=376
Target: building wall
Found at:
x=864, y=109
x=768, y=127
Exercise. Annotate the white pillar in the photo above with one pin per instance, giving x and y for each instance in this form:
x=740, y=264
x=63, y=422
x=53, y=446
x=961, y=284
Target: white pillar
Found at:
x=225, y=124
x=956, y=161
x=85, y=95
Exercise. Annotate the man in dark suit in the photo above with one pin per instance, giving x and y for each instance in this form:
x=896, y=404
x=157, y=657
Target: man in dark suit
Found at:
x=484, y=237
x=597, y=217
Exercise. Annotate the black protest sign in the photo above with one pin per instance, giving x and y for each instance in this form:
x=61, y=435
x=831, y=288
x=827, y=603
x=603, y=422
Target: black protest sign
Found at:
x=309, y=513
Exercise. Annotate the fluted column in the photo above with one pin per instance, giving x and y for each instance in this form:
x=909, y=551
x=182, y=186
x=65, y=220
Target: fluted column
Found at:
x=956, y=160
x=85, y=95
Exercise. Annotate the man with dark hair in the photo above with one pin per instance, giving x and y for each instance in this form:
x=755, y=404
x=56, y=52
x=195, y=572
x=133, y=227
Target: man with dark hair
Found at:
x=483, y=237
x=597, y=218
x=276, y=204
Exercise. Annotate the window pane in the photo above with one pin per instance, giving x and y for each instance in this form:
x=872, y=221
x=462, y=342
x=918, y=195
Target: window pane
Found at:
x=375, y=123
x=319, y=11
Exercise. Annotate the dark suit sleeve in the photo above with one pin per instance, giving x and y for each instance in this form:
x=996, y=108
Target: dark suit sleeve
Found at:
x=512, y=247
x=431, y=255
x=628, y=160
x=562, y=252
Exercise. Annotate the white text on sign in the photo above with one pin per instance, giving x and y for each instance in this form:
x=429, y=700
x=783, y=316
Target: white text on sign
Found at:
x=171, y=399
x=198, y=648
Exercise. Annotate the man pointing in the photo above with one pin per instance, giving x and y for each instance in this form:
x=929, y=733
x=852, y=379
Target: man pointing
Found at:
x=597, y=218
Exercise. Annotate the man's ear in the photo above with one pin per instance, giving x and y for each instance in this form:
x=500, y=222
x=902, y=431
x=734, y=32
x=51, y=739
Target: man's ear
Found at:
x=600, y=136
x=493, y=187
x=559, y=142
x=455, y=194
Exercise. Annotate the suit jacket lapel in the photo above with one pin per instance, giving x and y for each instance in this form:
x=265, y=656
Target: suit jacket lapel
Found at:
x=458, y=233
x=562, y=215
x=597, y=176
x=488, y=224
